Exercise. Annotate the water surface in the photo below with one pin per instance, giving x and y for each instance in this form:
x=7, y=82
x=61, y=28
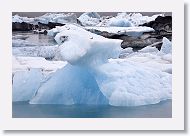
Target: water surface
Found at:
x=25, y=110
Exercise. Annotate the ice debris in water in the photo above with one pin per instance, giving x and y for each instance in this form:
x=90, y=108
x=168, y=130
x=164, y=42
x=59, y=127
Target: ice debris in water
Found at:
x=166, y=46
x=91, y=77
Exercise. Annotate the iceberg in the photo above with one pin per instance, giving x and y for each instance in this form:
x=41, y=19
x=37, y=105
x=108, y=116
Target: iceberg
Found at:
x=125, y=19
x=17, y=18
x=61, y=18
x=89, y=19
x=120, y=22
x=95, y=75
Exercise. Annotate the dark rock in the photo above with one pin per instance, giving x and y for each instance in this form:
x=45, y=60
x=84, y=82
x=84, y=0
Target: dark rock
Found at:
x=162, y=27
x=16, y=26
x=50, y=25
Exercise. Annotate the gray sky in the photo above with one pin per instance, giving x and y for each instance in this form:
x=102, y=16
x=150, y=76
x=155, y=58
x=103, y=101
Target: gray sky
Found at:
x=35, y=14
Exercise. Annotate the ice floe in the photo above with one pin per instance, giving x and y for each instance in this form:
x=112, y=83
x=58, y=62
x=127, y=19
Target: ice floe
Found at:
x=118, y=82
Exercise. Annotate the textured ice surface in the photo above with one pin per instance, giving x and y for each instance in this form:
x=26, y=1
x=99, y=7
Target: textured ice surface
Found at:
x=135, y=19
x=93, y=79
x=89, y=19
x=61, y=18
x=48, y=52
x=17, y=18
x=78, y=46
x=126, y=83
x=95, y=75
x=120, y=22
x=27, y=63
x=57, y=18
x=151, y=57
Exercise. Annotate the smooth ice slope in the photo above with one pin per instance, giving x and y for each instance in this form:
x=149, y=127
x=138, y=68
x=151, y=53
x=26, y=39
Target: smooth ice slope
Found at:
x=91, y=78
x=70, y=85
x=166, y=46
x=26, y=83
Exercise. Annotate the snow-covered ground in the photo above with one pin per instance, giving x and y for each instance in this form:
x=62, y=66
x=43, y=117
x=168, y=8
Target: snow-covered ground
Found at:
x=91, y=69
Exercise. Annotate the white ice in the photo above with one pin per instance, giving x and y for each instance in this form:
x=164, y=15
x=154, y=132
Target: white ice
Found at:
x=17, y=18
x=57, y=18
x=166, y=46
x=120, y=22
x=29, y=73
x=48, y=52
x=130, y=31
x=92, y=77
x=89, y=19
x=26, y=83
x=135, y=19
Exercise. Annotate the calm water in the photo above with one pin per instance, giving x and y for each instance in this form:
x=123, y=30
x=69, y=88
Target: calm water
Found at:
x=25, y=110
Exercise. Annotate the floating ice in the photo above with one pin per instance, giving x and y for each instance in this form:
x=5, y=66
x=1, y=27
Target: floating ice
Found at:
x=48, y=52
x=120, y=22
x=26, y=83
x=126, y=83
x=70, y=85
x=79, y=46
x=166, y=46
x=135, y=19
x=61, y=18
x=89, y=19
x=149, y=49
x=17, y=18
x=91, y=78
x=27, y=63
x=130, y=31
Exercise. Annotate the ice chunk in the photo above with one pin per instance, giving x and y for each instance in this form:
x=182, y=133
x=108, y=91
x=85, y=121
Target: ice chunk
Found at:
x=93, y=78
x=120, y=22
x=130, y=84
x=26, y=63
x=149, y=49
x=61, y=18
x=135, y=19
x=89, y=19
x=17, y=18
x=166, y=46
x=26, y=83
x=70, y=85
x=47, y=52
x=79, y=46
x=125, y=52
